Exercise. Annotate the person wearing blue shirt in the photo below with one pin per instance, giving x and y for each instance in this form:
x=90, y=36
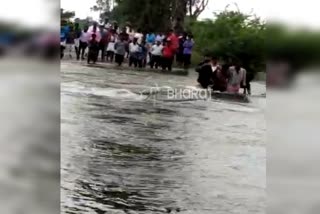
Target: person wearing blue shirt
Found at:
x=151, y=38
x=142, y=54
x=64, y=32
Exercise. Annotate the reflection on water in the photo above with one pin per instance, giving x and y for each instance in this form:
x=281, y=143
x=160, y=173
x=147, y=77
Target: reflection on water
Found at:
x=122, y=153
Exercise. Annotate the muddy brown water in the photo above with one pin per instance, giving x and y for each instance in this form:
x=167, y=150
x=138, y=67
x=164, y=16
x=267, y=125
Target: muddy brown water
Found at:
x=123, y=153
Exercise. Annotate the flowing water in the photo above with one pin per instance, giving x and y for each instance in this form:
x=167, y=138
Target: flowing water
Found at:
x=124, y=153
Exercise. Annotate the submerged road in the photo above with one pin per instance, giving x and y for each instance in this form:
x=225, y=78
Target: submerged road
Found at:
x=122, y=153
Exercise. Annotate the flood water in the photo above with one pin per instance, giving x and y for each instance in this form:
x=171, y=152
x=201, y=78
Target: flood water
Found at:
x=123, y=153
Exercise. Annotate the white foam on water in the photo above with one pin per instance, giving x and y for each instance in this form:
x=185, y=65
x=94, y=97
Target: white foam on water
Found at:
x=75, y=87
x=116, y=93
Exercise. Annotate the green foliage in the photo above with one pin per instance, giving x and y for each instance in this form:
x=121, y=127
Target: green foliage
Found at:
x=232, y=36
x=148, y=15
x=156, y=15
x=299, y=47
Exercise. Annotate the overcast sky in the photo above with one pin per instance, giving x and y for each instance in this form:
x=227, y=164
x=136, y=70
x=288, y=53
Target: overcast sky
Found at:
x=299, y=12
x=294, y=12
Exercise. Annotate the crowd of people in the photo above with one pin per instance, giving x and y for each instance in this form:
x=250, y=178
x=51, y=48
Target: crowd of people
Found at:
x=155, y=50
x=228, y=77
x=112, y=44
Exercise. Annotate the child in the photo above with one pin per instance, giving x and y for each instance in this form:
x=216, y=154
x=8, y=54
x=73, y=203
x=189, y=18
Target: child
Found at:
x=93, y=49
x=120, y=51
x=156, y=54
x=168, y=55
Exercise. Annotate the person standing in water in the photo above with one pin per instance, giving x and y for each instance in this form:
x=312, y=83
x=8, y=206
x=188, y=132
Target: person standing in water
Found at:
x=133, y=53
x=150, y=39
x=142, y=54
x=110, y=47
x=70, y=40
x=168, y=53
x=174, y=42
x=220, y=77
x=206, y=71
x=120, y=50
x=84, y=40
x=77, y=32
x=187, y=51
x=93, y=50
x=103, y=42
x=179, y=57
x=237, y=75
x=156, y=54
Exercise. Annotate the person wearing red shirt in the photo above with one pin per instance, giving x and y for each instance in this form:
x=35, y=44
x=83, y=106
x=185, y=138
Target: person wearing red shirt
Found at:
x=168, y=53
x=174, y=40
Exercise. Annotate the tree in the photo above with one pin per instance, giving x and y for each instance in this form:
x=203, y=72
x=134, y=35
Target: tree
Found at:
x=179, y=11
x=148, y=15
x=158, y=15
x=104, y=7
x=196, y=7
x=182, y=8
x=66, y=15
x=233, y=35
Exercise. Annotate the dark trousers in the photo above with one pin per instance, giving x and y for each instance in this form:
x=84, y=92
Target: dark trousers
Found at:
x=179, y=58
x=110, y=56
x=102, y=49
x=133, y=61
x=82, y=48
x=92, y=55
x=186, y=60
x=119, y=59
x=247, y=88
x=155, y=61
x=204, y=82
x=141, y=63
x=62, y=51
x=77, y=49
x=167, y=63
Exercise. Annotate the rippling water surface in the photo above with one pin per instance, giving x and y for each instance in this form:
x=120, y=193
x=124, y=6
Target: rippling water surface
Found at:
x=123, y=153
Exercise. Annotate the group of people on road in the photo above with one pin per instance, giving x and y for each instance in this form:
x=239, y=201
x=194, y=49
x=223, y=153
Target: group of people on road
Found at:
x=115, y=45
x=223, y=78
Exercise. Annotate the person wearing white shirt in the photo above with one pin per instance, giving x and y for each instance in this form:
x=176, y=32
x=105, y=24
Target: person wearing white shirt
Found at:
x=83, y=42
x=156, y=55
x=110, y=47
x=133, y=51
x=139, y=36
x=130, y=32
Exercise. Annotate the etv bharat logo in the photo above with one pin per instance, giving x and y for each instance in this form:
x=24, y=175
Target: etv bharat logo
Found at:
x=168, y=93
